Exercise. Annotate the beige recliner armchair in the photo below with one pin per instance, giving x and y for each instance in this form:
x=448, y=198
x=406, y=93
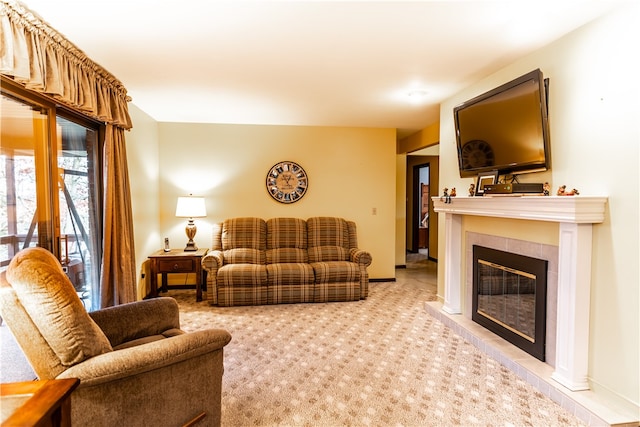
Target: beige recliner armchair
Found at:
x=136, y=367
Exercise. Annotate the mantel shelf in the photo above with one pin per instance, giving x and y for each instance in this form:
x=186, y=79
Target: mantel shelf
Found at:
x=567, y=209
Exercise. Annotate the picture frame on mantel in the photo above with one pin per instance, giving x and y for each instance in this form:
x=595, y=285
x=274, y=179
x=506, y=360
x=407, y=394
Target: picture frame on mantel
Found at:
x=485, y=178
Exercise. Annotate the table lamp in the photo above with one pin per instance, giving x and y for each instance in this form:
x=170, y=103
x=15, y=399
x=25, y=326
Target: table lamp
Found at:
x=191, y=207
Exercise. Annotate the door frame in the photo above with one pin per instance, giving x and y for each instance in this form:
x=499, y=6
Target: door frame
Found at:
x=416, y=205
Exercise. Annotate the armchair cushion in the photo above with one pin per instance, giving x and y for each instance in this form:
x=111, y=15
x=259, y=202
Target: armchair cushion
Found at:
x=126, y=323
x=54, y=307
x=130, y=361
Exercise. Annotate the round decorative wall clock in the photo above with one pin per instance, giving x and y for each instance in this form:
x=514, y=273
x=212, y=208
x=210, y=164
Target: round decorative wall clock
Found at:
x=287, y=182
x=477, y=154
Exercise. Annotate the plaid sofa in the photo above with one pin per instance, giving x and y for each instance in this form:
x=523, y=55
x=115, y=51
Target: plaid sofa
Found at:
x=285, y=260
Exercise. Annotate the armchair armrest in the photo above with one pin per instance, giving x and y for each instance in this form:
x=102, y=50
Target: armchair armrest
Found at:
x=361, y=257
x=136, y=360
x=138, y=319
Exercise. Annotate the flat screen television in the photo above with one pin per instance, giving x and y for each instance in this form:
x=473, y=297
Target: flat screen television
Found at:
x=505, y=129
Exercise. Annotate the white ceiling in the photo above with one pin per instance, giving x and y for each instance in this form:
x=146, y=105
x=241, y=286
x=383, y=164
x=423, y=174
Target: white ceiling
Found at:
x=319, y=63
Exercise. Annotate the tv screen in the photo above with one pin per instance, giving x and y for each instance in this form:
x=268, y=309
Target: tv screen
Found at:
x=505, y=129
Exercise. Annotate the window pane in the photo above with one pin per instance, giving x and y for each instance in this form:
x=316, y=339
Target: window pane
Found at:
x=79, y=222
x=22, y=172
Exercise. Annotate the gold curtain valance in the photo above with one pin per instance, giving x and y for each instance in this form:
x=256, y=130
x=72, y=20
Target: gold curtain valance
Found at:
x=40, y=58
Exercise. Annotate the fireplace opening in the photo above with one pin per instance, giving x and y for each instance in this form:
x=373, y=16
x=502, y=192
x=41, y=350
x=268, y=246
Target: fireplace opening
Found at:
x=510, y=297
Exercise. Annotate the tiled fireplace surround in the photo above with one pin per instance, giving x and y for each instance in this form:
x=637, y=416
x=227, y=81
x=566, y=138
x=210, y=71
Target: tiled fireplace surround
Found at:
x=563, y=377
x=521, y=247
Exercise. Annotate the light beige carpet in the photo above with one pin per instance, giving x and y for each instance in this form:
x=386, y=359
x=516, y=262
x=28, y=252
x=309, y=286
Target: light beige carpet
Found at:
x=383, y=361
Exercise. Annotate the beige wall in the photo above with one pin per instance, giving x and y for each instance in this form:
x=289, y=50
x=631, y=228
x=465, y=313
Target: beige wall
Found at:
x=144, y=171
x=425, y=138
x=594, y=118
x=352, y=171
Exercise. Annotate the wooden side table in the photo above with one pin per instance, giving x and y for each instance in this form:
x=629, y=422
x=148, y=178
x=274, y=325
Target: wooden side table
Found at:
x=37, y=403
x=176, y=261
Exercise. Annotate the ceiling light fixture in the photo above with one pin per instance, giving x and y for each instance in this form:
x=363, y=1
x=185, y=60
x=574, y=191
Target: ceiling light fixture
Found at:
x=417, y=96
x=418, y=93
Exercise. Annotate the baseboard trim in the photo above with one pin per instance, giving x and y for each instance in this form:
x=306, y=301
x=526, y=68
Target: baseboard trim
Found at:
x=392, y=279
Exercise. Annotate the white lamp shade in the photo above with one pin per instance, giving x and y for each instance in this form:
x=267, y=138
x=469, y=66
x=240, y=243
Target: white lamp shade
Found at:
x=191, y=207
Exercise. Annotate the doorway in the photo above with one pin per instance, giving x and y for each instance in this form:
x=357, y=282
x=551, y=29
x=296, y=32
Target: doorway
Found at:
x=420, y=218
x=421, y=222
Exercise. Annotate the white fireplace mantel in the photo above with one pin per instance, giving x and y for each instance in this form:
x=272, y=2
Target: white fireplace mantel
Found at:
x=575, y=216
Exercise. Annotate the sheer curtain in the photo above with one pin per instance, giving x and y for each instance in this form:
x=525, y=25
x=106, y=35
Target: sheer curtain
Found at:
x=38, y=57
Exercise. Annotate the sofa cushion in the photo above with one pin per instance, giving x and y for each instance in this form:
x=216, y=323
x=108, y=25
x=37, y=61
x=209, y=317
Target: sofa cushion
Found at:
x=244, y=256
x=328, y=253
x=242, y=275
x=327, y=231
x=48, y=296
x=286, y=233
x=290, y=283
x=242, y=284
x=286, y=255
x=336, y=271
x=290, y=274
x=248, y=233
x=286, y=240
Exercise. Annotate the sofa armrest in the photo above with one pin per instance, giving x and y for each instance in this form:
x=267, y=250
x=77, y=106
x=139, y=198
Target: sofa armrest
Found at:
x=155, y=355
x=138, y=319
x=361, y=257
x=212, y=261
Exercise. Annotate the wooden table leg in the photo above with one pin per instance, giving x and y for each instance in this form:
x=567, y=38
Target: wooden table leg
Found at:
x=153, y=280
x=198, y=282
x=164, y=282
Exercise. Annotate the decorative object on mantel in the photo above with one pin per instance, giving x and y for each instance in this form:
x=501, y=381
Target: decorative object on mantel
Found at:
x=485, y=178
x=562, y=191
x=546, y=188
x=453, y=193
x=472, y=190
x=445, y=195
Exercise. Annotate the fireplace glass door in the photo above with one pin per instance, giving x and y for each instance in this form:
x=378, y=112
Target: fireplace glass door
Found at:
x=510, y=297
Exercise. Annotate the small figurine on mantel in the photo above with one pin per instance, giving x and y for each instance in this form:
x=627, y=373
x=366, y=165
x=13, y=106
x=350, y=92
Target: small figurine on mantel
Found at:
x=472, y=190
x=546, y=189
x=445, y=195
x=453, y=192
x=562, y=191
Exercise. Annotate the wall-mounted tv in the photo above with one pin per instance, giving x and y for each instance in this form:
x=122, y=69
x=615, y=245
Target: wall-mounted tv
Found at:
x=505, y=129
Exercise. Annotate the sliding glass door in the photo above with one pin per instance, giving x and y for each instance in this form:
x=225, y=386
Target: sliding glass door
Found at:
x=80, y=231
x=50, y=189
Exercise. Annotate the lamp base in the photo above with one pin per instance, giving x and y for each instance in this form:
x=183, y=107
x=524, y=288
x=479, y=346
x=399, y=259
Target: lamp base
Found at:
x=191, y=246
x=191, y=233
